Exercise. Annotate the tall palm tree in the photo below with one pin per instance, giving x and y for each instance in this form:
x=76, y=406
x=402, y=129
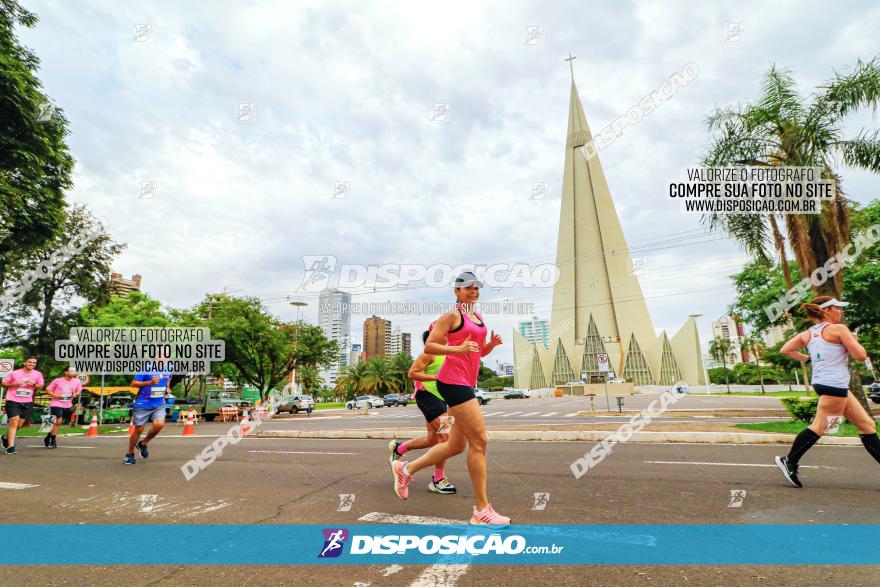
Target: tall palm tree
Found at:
x=352, y=380
x=380, y=377
x=781, y=128
x=754, y=346
x=718, y=348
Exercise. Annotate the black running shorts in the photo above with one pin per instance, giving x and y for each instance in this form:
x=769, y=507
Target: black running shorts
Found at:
x=19, y=410
x=432, y=407
x=828, y=390
x=455, y=394
x=62, y=413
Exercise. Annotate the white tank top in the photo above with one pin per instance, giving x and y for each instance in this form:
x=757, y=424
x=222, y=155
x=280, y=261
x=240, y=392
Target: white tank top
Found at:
x=830, y=359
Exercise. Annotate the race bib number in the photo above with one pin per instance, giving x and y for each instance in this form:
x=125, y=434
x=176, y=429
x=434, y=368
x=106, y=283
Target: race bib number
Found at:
x=65, y=396
x=22, y=392
x=157, y=392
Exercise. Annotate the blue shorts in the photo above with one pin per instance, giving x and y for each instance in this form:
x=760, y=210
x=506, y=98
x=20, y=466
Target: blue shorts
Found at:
x=140, y=416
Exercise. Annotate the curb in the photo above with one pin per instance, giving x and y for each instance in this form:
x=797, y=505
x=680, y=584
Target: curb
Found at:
x=569, y=436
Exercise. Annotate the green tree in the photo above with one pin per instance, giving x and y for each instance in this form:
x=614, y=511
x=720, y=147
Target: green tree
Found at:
x=380, y=377
x=352, y=380
x=755, y=346
x=310, y=378
x=61, y=277
x=400, y=364
x=35, y=164
x=718, y=348
x=781, y=129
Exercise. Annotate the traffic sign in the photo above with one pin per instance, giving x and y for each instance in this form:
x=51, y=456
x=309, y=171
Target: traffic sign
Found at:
x=7, y=366
x=84, y=377
x=602, y=360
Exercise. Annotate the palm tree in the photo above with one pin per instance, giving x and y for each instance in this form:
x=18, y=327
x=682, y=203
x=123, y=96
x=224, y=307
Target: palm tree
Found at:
x=309, y=377
x=781, y=129
x=380, y=377
x=754, y=346
x=400, y=365
x=718, y=348
x=351, y=380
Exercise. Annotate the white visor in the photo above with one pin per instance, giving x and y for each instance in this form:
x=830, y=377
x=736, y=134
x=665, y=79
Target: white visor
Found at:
x=834, y=302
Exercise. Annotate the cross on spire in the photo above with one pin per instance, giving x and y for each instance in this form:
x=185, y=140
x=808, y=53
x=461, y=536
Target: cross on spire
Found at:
x=570, y=64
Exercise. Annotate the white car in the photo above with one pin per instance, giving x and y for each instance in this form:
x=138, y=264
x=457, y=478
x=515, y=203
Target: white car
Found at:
x=364, y=401
x=483, y=396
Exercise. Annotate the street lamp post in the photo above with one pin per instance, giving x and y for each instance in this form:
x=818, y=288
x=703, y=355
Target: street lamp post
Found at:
x=700, y=346
x=299, y=304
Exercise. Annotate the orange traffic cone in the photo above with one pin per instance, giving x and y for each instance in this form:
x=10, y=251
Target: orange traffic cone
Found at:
x=93, y=426
x=189, y=429
x=244, y=427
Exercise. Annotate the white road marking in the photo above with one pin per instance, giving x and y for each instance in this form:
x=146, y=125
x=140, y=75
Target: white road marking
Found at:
x=5, y=485
x=405, y=519
x=492, y=414
x=732, y=464
x=550, y=414
x=435, y=575
x=303, y=452
x=509, y=414
x=65, y=446
x=440, y=576
x=529, y=414
x=148, y=502
x=391, y=570
x=571, y=415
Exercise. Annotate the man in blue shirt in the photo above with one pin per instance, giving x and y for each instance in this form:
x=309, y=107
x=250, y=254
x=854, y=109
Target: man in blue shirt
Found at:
x=149, y=405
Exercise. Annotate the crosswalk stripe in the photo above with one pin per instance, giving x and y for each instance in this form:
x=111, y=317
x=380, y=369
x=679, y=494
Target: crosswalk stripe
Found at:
x=509, y=414
x=529, y=414
x=492, y=414
x=550, y=414
x=570, y=415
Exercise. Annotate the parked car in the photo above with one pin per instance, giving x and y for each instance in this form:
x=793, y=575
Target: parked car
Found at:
x=363, y=401
x=117, y=409
x=874, y=392
x=514, y=394
x=395, y=399
x=482, y=396
x=297, y=404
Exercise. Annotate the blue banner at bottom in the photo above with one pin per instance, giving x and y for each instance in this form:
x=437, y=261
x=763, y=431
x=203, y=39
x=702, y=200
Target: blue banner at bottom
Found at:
x=359, y=544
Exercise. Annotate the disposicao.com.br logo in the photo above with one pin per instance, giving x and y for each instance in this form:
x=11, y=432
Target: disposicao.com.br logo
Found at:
x=403, y=544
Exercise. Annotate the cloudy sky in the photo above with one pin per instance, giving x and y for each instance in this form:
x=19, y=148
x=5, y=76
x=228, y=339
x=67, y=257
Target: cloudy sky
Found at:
x=209, y=196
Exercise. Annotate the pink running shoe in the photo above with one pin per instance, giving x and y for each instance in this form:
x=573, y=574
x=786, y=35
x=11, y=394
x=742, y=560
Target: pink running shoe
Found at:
x=401, y=479
x=489, y=517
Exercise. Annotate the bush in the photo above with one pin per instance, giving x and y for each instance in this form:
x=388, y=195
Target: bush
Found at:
x=803, y=410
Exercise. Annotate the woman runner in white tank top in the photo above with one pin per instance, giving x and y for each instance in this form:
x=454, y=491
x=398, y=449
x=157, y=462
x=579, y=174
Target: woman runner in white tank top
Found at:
x=830, y=344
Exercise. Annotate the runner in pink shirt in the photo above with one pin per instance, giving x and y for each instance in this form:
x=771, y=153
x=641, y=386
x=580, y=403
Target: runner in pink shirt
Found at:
x=20, y=386
x=461, y=336
x=63, y=391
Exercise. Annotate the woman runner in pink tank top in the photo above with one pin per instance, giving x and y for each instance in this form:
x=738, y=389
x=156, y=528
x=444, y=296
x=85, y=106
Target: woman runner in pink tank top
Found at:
x=461, y=336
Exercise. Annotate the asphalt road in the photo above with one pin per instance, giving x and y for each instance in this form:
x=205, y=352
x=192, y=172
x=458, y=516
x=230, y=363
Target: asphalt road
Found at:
x=294, y=481
x=530, y=411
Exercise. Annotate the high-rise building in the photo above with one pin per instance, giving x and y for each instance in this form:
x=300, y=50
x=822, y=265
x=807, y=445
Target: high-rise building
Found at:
x=398, y=342
x=729, y=329
x=334, y=318
x=774, y=335
x=377, y=337
x=504, y=369
x=119, y=286
x=354, y=356
x=536, y=330
x=598, y=305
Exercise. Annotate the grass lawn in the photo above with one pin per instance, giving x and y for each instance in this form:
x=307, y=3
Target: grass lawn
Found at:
x=34, y=430
x=329, y=405
x=795, y=426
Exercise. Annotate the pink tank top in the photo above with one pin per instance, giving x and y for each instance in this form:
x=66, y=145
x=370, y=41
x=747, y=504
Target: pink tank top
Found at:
x=464, y=369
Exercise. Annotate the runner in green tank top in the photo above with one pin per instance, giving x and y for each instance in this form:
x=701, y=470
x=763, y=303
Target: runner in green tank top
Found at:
x=424, y=372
